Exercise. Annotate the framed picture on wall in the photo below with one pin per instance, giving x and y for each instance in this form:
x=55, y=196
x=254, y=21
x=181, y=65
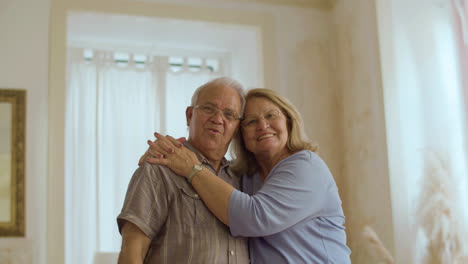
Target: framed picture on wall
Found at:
x=12, y=154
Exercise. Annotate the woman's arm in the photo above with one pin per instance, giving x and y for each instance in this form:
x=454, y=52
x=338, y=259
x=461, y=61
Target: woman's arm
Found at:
x=299, y=187
x=214, y=191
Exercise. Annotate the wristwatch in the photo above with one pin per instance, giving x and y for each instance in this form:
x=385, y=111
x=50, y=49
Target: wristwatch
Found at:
x=196, y=168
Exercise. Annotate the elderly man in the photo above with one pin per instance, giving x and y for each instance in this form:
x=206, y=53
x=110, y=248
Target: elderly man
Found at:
x=163, y=220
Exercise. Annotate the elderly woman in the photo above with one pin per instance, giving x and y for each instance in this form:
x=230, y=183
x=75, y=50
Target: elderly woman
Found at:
x=289, y=206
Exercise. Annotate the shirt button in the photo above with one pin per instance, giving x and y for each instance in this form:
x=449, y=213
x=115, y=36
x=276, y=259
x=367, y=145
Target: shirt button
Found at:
x=196, y=195
x=231, y=252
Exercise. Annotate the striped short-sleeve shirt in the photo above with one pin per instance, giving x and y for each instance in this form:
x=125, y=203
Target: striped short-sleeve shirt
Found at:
x=182, y=230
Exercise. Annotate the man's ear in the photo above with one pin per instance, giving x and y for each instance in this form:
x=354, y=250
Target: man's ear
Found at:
x=188, y=114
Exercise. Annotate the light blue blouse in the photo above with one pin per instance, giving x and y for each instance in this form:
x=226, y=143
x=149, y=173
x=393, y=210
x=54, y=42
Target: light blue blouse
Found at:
x=295, y=216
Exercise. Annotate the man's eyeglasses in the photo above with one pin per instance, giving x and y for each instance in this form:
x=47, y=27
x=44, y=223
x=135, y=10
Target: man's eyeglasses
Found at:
x=252, y=121
x=228, y=114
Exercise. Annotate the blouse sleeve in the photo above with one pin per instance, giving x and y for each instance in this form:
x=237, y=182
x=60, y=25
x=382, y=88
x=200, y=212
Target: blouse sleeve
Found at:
x=295, y=189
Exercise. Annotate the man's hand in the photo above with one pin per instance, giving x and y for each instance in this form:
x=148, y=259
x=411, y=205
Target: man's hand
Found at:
x=159, y=147
x=135, y=244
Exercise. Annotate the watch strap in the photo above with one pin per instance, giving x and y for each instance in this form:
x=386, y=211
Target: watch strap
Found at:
x=196, y=168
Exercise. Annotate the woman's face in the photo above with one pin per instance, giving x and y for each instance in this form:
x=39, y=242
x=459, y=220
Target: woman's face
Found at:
x=264, y=127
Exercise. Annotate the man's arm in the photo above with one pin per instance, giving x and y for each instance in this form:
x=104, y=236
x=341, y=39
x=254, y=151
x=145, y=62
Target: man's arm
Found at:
x=135, y=244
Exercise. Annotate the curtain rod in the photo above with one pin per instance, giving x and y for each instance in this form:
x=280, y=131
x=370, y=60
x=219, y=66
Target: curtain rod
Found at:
x=171, y=64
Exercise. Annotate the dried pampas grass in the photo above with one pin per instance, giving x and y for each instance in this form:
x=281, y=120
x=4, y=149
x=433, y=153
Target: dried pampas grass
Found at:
x=375, y=247
x=437, y=213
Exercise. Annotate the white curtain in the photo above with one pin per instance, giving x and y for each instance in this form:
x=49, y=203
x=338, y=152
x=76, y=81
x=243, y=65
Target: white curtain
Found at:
x=176, y=124
x=426, y=130
x=80, y=161
x=436, y=153
x=112, y=109
x=460, y=9
x=461, y=13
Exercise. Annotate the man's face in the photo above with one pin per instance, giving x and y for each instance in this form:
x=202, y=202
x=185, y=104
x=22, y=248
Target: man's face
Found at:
x=211, y=133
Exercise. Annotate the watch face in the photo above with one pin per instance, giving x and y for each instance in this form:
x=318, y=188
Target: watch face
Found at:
x=196, y=168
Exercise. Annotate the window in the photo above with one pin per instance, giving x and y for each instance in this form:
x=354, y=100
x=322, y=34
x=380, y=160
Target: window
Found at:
x=115, y=101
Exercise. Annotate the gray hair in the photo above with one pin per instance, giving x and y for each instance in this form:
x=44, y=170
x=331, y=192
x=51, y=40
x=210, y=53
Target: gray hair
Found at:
x=222, y=82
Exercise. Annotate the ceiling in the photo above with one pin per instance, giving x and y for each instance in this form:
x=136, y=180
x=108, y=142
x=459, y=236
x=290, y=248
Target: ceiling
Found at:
x=95, y=30
x=327, y=4
x=321, y=4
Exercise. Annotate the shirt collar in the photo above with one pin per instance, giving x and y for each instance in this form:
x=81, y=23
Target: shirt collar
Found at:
x=224, y=162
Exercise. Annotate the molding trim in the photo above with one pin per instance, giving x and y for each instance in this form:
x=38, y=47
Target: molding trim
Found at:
x=16, y=254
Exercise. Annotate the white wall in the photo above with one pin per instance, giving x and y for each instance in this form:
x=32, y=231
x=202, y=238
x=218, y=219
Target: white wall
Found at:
x=367, y=199
x=24, y=65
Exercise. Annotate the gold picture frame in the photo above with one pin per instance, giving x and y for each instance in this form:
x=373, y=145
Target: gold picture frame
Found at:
x=12, y=155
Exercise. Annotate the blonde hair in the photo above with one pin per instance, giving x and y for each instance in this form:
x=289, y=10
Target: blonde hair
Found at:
x=245, y=161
